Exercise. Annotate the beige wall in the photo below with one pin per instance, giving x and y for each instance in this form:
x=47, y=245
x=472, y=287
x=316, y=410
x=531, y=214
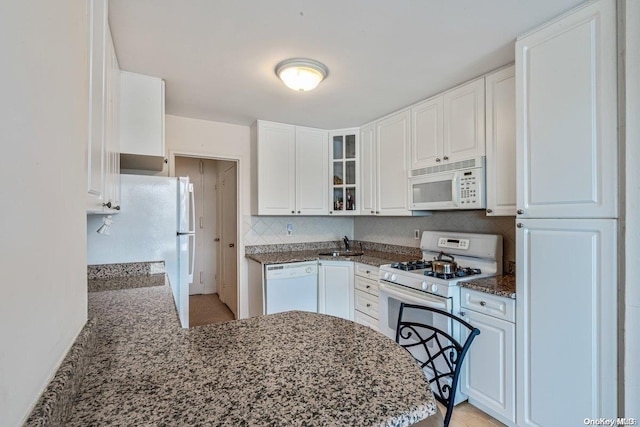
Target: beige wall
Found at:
x=43, y=183
x=201, y=138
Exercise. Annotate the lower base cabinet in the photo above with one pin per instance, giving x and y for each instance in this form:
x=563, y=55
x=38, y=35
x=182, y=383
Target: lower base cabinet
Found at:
x=335, y=288
x=366, y=295
x=490, y=363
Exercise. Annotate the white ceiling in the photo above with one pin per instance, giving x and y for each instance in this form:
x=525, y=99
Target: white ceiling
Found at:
x=218, y=56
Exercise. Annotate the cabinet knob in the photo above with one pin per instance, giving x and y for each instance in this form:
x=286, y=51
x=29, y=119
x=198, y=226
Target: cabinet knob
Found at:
x=293, y=212
x=298, y=211
x=438, y=159
x=368, y=286
x=377, y=212
x=519, y=211
x=372, y=212
x=330, y=212
x=489, y=210
x=116, y=207
x=445, y=158
x=107, y=205
x=231, y=245
x=519, y=225
x=462, y=313
x=482, y=303
x=368, y=305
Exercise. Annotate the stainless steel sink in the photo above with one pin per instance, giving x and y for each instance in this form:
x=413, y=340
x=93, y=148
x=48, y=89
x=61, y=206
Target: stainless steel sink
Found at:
x=341, y=253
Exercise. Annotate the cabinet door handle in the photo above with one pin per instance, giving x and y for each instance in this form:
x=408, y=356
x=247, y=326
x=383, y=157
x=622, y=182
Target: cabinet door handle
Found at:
x=368, y=286
x=293, y=212
x=462, y=314
x=519, y=211
x=438, y=159
x=231, y=245
x=519, y=225
x=445, y=158
x=482, y=303
x=489, y=210
x=377, y=212
x=368, y=305
x=372, y=211
x=330, y=212
x=298, y=211
x=116, y=207
x=107, y=205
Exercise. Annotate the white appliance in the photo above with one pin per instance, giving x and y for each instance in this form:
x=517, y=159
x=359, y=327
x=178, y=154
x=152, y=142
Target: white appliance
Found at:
x=415, y=282
x=451, y=186
x=292, y=286
x=155, y=223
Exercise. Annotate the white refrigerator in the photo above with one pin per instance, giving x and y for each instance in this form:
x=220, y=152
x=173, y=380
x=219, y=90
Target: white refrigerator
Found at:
x=155, y=223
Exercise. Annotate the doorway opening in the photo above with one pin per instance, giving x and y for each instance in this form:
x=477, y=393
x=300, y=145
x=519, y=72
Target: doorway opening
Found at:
x=213, y=294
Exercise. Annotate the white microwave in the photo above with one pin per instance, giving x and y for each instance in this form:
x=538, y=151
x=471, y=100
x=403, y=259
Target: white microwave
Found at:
x=459, y=185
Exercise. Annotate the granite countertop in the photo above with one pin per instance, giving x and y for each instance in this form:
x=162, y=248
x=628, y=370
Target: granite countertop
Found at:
x=504, y=286
x=374, y=258
x=292, y=368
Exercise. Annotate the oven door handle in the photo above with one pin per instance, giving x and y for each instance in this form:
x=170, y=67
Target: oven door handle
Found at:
x=413, y=297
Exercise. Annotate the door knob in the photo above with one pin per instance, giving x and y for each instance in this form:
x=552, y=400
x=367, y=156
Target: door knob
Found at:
x=231, y=245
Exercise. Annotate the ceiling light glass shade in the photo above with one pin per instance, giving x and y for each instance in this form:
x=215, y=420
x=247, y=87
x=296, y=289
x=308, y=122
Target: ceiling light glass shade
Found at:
x=301, y=74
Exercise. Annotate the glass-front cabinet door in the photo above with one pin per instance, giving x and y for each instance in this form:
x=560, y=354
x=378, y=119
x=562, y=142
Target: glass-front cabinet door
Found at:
x=344, y=170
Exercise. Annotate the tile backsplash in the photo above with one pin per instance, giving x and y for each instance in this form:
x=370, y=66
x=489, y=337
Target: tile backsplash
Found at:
x=270, y=230
x=400, y=230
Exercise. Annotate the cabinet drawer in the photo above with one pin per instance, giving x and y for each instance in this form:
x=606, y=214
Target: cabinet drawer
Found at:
x=366, y=320
x=367, y=271
x=492, y=305
x=367, y=285
x=367, y=303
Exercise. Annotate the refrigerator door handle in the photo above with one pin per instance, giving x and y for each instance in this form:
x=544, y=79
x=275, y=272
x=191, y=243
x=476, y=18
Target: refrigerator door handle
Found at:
x=185, y=233
x=192, y=235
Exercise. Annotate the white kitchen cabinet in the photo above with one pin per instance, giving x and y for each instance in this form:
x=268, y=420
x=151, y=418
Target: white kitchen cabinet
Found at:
x=344, y=169
x=336, y=289
x=566, y=112
x=366, y=307
x=393, y=142
x=292, y=176
x=500, y=110
x=464, y=135
x=368, y=173
x=103, y=167
x=566, y=321
x=448, y=127
x=490, y=364
x=141, y=121
x=427, y=133
x=312, y=176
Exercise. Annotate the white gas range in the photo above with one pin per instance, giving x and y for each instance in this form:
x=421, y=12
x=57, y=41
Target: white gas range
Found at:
x=416, y=282
x=429, y=283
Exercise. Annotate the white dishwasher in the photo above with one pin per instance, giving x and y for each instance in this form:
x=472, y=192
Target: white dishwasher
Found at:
x=292, y=286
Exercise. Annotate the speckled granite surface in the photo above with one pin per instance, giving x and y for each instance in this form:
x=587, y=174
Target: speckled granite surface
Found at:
x=370, y=257
x=504, y=286
x=56, y=402
x=290, y=368
x=356, y=245
x=127, y=282
x=107, y=271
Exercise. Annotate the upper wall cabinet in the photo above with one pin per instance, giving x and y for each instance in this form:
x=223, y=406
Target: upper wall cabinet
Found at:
x=368, y=170
x=141, y=121
x=103, y=169
x=393, y=139
x=566, y=98
x=292, y=173
x=448, y=127
x=501, y=142
x=344, y=168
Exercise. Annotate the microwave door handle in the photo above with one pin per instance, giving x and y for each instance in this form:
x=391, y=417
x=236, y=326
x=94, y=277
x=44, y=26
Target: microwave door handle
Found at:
x=455, y=190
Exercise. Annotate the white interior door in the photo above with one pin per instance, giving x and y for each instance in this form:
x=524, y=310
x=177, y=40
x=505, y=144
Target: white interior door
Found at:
x=229, y=294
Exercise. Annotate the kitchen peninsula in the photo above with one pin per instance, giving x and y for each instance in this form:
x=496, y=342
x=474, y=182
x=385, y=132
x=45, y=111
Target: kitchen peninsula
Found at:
x=293, y=368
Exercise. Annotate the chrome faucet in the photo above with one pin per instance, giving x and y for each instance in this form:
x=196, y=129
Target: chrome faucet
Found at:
x=347, y=245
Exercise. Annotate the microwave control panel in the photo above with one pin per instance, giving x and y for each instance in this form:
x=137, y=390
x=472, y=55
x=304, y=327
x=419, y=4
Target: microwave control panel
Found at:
x=471, y=189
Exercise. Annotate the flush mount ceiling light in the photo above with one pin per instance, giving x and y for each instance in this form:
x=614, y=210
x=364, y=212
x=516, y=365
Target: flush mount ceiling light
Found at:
x=301, y=74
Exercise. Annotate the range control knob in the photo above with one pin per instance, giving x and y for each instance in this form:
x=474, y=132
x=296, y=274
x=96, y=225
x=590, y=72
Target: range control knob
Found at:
x=386, y=275
x=425, y=286
x=393, y=277
x=434, y=288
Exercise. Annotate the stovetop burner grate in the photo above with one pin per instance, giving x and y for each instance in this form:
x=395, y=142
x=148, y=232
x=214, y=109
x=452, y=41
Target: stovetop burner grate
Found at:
x=427, y=266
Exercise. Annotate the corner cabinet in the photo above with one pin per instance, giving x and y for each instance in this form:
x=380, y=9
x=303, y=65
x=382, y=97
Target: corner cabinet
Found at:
x=103, y=166
x=344, y=172
x=292, y=175
x=335, y=288
x=500, y=111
